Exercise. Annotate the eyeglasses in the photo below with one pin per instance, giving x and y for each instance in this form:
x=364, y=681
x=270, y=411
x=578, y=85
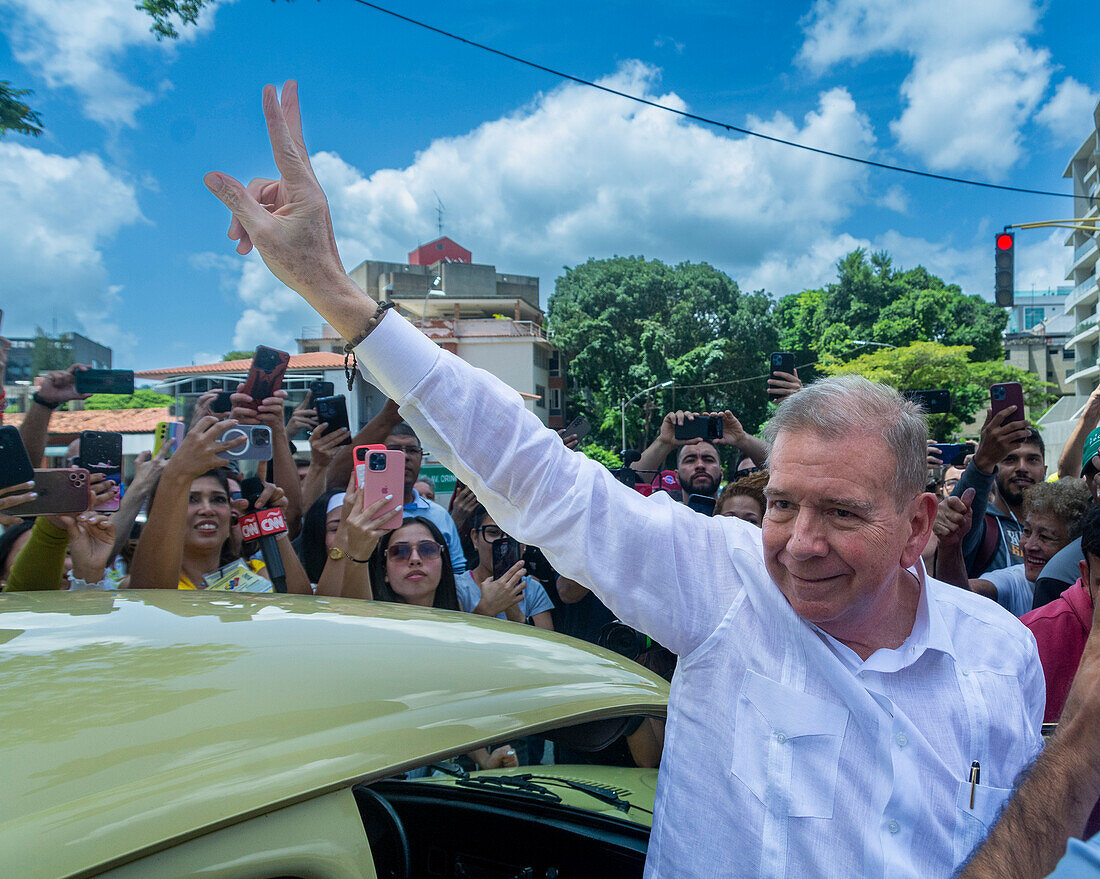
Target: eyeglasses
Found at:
x=490, y=533
x=428, y=550
x=747, y=471
x=408, y=450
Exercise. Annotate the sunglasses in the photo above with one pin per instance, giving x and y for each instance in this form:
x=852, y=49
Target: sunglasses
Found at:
x=428, y=550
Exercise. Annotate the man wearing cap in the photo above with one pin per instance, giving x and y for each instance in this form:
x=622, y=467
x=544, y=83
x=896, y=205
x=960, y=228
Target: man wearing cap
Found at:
x=1009, y=459
x=1080, y=456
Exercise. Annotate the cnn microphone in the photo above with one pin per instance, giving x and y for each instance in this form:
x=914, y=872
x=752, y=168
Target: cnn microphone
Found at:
x=264, y=526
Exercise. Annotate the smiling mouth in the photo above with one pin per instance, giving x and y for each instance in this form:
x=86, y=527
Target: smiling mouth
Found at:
x=207, y=527
x=1035, y=561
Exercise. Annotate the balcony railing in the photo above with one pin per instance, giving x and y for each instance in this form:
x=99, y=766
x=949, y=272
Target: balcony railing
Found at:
x=1079, y=293
x=482, y=328
x=1081, y=251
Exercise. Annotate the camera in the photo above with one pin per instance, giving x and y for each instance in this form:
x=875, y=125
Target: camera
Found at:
x=376, y=461
x=257, y=446
x=624, y=640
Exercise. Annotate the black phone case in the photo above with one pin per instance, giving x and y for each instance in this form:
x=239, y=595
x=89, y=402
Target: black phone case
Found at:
x=222, y=403
x=15, y=464
x=319, y=389
x=934, y=401
x=333, y=411
x=703, y=427
x=104, y=381
x=780, y=361
x=505, y=554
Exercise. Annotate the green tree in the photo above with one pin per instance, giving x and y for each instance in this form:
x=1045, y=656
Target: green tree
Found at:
x=14, y=114
x=927, y=365
x=874, y=302
x=143, y=398
x=237, y=355
x=49, y=353
x=627, y=323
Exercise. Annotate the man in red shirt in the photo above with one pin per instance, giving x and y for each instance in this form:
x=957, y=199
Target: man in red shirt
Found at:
x=1062, y=627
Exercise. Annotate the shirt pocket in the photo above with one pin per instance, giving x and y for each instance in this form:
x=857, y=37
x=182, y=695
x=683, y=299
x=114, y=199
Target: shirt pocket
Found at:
x=786, y=747
x=972, y=826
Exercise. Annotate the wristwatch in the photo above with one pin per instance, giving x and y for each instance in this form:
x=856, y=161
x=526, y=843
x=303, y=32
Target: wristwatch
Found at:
x=336, y=554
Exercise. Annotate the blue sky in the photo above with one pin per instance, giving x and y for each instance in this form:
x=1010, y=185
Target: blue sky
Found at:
x=106, y=227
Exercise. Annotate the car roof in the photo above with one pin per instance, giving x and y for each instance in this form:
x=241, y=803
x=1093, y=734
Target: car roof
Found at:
x=129, y=719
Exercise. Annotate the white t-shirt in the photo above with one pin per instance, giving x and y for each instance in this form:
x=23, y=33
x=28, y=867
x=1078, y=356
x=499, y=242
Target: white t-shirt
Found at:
x=1014, y=592
x=535, y=599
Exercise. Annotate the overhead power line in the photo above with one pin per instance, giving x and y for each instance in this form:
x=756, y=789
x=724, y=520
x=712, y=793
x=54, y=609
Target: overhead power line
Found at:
x=946, y=178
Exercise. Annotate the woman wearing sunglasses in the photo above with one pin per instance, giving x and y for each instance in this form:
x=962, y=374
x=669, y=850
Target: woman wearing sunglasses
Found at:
x=411, y=566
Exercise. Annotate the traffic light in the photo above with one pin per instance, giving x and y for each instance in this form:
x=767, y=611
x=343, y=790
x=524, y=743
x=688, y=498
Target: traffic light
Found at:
x=1004, y=265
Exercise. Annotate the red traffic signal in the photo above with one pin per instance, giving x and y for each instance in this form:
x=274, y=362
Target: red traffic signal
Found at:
x=1004, y=260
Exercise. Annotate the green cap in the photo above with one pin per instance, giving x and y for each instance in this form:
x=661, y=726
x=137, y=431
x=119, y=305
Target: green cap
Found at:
x=1092, y=446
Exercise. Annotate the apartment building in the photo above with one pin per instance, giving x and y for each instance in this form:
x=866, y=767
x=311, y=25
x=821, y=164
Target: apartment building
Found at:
x=1082, y=303
x=489, y=319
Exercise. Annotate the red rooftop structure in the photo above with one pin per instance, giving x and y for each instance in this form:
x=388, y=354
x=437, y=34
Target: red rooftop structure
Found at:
x=441, y=250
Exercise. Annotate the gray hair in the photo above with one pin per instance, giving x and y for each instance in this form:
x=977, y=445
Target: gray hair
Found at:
x=837, y=407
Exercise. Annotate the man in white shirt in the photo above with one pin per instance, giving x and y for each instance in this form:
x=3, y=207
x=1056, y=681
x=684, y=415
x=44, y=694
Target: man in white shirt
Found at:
x=830, y=700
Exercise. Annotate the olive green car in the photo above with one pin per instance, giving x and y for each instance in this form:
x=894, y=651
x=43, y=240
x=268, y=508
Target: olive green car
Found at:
x=219, y=735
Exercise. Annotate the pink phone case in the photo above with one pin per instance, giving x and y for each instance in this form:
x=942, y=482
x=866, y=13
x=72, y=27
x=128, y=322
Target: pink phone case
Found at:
x=376, y=484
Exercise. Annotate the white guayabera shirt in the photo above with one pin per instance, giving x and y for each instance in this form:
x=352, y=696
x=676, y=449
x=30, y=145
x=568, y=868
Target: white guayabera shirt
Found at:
x=785, y=754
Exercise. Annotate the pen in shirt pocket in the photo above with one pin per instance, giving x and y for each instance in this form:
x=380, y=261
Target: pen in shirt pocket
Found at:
x=975, y=780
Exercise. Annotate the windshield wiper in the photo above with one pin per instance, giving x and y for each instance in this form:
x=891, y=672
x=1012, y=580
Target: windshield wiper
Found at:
x=603, y=794
x=511, y=783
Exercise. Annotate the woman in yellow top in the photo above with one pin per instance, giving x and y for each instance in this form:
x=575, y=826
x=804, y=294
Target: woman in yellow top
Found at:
x=187, y=535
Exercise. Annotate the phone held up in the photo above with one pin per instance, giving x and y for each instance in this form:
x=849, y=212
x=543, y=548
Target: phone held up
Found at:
x=319, y=388
x=168, y=435
x=333, y=411
x=701, y=503
x=266, y=375
x=934, y=401
x=707, y=427
x=780, y=361
x=222, y=403
x=15, y=465
x=61, y=491
x=1005, y=394
x=104, y=381
x=101, y=452
x=380, y=471
x=578, y=427
x=506, y=553
x=257, y=445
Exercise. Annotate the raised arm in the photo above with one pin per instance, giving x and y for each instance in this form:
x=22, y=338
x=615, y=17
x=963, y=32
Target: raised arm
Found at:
x=590, y=526
x=59, y=386
x=1069, y=462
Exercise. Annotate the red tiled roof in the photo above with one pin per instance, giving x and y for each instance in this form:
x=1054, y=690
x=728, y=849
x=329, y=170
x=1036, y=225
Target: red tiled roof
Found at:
x=314, y=360
x=120, y=420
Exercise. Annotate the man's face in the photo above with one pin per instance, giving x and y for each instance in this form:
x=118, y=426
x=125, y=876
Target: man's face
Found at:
x=951, y=477
x=1020, y=469
x=834, y=541
x=699, y=470
x=413, y=453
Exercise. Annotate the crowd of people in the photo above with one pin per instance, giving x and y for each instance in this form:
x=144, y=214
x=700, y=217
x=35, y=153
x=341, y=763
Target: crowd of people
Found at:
x=860, y=666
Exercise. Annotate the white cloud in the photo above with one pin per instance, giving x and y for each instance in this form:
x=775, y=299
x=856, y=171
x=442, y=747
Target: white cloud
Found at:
x=58, y=212
x=80, y=44
x=1068, y=114
x=975, y=80
x=578, y=173
x=1042, y=260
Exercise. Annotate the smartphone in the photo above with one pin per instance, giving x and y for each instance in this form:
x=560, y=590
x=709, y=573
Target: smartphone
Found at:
x=933, y=402
x=380, y=472
x=101, y=452
x=60, y=491
x=708, y=427
x=953, y=454
x=170, y=434
x=780, y=361
x=104, y=381
x=319, y=389
x=257, y=446
x=505, y=554
x=1006, y=394
x=578, y=426
x=701, y=503
x=333, y=411
x=266, y=375
x=222, y=403
x=15, y=464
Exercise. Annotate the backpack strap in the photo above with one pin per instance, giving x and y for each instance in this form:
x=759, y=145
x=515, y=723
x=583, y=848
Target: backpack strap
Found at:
x=988, y=547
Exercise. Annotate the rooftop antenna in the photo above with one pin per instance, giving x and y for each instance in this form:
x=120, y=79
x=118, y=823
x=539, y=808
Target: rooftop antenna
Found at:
x=439, y=208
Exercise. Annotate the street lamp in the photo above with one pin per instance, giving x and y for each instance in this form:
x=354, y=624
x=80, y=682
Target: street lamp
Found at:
x=625, y=403
x=433, y=290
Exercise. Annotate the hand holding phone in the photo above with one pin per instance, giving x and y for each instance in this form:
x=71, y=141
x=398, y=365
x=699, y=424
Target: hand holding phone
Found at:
x=265, y=376
x=705, y=427
x=1005, y=394
x=105, y=381
x=101, y=452
x=59, y=492
x=779, y=361
x=15, y=465
x=333, y=411
x=381, y=472
x=506, y=553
